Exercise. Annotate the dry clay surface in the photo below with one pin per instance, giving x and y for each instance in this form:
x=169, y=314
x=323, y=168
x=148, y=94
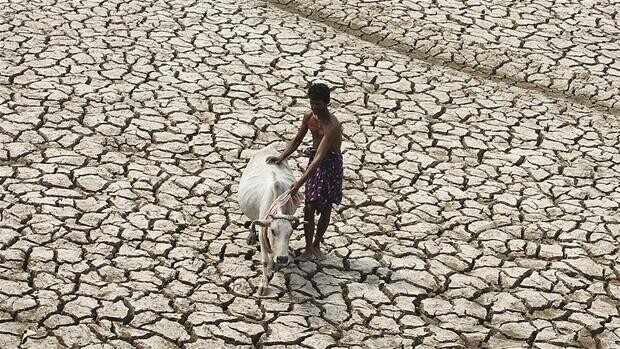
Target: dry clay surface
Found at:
x=565, y=48
x=476, y=213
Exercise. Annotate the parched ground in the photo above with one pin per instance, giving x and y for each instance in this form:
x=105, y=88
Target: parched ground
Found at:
x=482, y=173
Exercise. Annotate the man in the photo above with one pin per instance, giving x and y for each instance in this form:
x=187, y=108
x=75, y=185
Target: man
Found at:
x=323, y=177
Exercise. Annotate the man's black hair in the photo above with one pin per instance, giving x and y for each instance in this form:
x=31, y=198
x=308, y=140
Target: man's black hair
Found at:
x=319, y=92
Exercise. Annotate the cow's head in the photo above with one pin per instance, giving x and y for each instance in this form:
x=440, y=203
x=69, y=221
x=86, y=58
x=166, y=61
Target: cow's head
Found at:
x=275, y=235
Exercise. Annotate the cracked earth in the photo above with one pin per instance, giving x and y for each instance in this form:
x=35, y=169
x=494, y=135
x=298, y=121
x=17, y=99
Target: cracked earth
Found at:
x=481, y=190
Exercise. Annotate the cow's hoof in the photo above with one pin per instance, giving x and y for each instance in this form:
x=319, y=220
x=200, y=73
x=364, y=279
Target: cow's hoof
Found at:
x=252, y=239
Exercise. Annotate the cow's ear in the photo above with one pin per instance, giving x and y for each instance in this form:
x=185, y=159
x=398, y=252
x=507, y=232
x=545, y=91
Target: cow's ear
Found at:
x=296, y=224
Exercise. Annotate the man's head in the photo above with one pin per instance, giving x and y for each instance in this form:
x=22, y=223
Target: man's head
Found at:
x=319, y=98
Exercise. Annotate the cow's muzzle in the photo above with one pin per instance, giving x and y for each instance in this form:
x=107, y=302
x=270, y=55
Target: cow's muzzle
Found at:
x=282, y=260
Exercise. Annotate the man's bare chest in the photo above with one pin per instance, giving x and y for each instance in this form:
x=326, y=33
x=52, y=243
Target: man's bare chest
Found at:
x=316, y=128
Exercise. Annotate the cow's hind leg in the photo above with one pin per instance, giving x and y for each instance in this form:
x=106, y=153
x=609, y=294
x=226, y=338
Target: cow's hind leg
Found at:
x=253, y=237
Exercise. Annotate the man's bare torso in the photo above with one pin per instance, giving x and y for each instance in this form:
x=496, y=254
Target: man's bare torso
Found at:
x=319, y=127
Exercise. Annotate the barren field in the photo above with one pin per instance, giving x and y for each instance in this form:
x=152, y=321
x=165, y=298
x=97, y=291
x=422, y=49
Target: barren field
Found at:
x=481, y=191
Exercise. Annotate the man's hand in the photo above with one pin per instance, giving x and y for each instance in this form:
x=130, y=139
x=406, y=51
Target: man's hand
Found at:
x=274, y=160
x=294, y=188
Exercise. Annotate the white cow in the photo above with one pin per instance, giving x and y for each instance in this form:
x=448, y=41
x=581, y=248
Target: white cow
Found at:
x=261, y=183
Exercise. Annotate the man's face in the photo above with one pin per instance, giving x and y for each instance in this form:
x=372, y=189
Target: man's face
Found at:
x=317, y=106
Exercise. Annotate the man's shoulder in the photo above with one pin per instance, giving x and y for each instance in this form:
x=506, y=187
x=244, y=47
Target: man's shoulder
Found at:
x=334, y=117
x=335, y=122
x=335, y=129
x=307, y=115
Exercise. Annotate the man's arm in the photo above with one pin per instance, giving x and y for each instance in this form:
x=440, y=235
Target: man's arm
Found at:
x=293, y=144
x=321, y=152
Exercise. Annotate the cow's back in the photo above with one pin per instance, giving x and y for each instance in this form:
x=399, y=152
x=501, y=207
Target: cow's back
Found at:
x=261, y=182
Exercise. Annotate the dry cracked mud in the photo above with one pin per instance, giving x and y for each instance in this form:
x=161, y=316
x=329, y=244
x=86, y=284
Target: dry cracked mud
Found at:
x=482, y=173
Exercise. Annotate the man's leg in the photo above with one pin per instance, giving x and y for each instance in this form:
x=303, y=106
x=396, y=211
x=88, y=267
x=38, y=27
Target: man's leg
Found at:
x=326, y=213
x=309, y=210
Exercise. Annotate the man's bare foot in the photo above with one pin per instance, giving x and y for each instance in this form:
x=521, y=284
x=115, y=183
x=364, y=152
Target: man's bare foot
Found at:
x=318, y=254
x=308, y=255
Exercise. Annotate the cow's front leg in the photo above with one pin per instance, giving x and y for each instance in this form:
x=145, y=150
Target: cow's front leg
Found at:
x=262, y=290
x=267, y=263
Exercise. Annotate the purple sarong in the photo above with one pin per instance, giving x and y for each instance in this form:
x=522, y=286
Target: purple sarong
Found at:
x=324, y=187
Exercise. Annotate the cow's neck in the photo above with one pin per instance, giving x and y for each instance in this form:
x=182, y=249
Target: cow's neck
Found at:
x=268, y=199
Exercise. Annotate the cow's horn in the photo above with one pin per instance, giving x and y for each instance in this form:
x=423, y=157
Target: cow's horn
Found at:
x=294, y=220
x=263, y=224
